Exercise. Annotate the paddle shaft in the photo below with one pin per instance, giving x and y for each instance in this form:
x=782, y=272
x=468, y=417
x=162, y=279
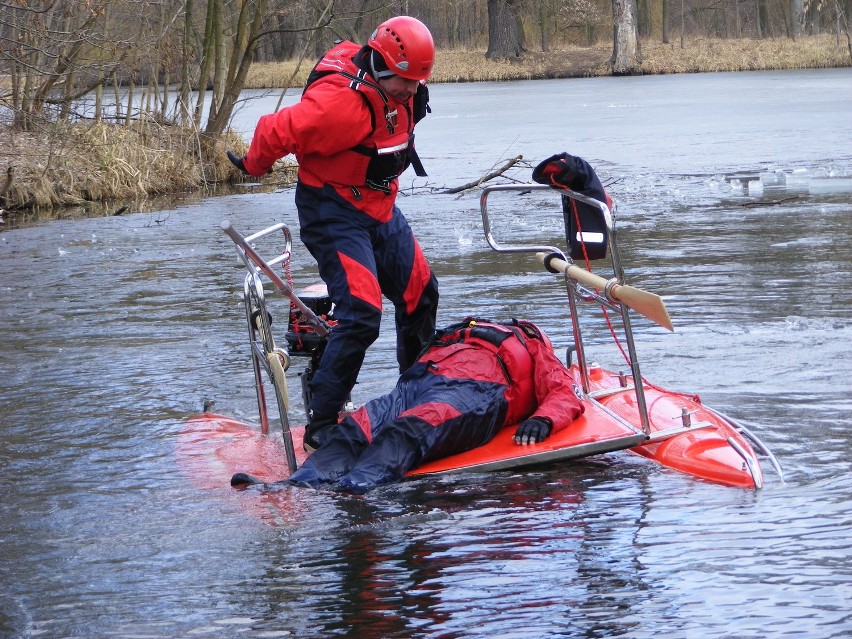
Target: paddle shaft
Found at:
x=644, y=303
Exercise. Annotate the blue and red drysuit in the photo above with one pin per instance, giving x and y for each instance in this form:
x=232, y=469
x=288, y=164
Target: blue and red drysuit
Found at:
x=471, y=380
x=352, y=140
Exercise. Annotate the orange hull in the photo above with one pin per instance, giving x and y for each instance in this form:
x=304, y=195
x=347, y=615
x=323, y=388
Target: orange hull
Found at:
x=710, y=448
x=703, y=450
x=673, y=429
x=593, y=433
x=212, y=447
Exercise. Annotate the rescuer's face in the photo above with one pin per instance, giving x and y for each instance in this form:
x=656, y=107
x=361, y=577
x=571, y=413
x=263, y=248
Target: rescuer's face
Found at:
x=398, y=87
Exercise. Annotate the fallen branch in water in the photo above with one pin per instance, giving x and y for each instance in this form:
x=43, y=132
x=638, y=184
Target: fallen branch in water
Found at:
x=771, y=202
x=486, y=177
x=428, y=189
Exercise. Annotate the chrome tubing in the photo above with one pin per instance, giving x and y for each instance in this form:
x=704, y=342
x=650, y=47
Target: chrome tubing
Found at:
x=486, y=222
x=252, y=289
x=751, y=462
x=570, y=285
x=573, y=286
x=288, y=242
x=638, y=382
x=261, y=344
x=745, y=432
x=254, y=261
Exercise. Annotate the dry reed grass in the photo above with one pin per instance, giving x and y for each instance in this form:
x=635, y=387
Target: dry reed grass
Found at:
x=701, y=55
x=70, y=165
x=710, y=55
x=462, y=66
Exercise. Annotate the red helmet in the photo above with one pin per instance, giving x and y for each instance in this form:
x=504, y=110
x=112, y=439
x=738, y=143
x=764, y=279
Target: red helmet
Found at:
x=406, y=46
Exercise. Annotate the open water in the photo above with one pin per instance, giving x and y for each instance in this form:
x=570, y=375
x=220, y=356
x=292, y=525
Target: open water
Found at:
x=114, y=330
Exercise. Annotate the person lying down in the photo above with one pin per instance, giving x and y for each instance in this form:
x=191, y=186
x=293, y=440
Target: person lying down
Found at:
x=471, y=380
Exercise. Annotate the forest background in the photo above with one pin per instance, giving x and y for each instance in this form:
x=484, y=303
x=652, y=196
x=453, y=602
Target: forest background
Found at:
x=105, y=101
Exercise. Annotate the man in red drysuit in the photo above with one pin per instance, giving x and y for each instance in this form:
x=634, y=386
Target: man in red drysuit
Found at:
x=352, y=134
x=471, y=380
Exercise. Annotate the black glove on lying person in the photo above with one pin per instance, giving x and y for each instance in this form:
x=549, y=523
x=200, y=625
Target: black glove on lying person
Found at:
x=533, y=431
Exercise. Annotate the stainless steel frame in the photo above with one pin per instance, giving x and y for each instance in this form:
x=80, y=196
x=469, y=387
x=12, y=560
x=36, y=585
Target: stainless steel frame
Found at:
x=575, y=290
x=274, y=361
x=578, y=292
x=266, y=356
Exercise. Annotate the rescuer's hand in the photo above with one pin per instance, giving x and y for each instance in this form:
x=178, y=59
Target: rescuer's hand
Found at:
x=237, y=162
x=533, y=431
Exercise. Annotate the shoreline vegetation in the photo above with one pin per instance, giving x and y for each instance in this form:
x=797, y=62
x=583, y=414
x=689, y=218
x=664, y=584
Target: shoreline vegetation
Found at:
x=96, y=168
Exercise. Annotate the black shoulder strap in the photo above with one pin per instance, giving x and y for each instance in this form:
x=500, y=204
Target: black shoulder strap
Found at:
x=477, y=327
x=529, y=329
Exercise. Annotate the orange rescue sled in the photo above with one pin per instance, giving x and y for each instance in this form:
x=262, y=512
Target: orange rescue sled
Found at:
x=622, y=410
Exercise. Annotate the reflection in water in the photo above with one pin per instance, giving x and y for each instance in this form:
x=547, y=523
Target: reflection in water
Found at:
x=115, y=329
x=466, y=562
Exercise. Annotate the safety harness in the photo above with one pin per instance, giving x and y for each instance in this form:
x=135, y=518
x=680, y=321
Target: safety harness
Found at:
x=472, y=329
x=393, y=151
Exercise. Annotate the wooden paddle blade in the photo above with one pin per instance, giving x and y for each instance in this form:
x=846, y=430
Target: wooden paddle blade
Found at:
x=644, y=303
x=647, y=304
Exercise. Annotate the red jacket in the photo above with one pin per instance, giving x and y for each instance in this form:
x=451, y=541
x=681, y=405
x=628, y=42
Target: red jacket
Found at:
x=537, y=383
x=334, y=117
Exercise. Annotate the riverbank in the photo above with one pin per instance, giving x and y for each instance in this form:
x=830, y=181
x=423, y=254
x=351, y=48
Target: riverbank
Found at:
x=106, y=169
x=703, y=55
x=91, y=163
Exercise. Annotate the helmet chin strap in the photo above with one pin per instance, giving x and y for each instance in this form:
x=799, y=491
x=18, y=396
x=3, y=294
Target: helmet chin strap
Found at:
x=376, y=73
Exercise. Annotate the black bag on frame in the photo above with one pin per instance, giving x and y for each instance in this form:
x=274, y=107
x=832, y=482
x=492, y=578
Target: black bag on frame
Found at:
x=591, y=230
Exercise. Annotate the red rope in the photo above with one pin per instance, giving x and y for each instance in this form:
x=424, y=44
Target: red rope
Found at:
x=294, y=316
x=611, y=328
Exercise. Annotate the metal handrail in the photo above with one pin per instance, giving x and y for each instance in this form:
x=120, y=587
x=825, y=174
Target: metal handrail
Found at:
x=754, y=439
x=573, y=286
x=265, y=355
x=254, y=261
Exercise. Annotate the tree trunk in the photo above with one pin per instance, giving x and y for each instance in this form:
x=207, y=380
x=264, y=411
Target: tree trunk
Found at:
x=626, y=57
x=220, y=57
x=643, y=15
x=116, y=86
x=665, y=21
x=738, y=30
x=247, y=34
x=99, y=101
x=505, y=32
x=842, y=19
x=797, y=17
x=762, y=19
x=127, y=116
x=206, y=63
x=183, y=112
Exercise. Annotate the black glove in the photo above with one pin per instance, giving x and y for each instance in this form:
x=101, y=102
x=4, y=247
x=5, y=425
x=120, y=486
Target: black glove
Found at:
x=570, y=172
x=237, y=162
x=533, y=431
